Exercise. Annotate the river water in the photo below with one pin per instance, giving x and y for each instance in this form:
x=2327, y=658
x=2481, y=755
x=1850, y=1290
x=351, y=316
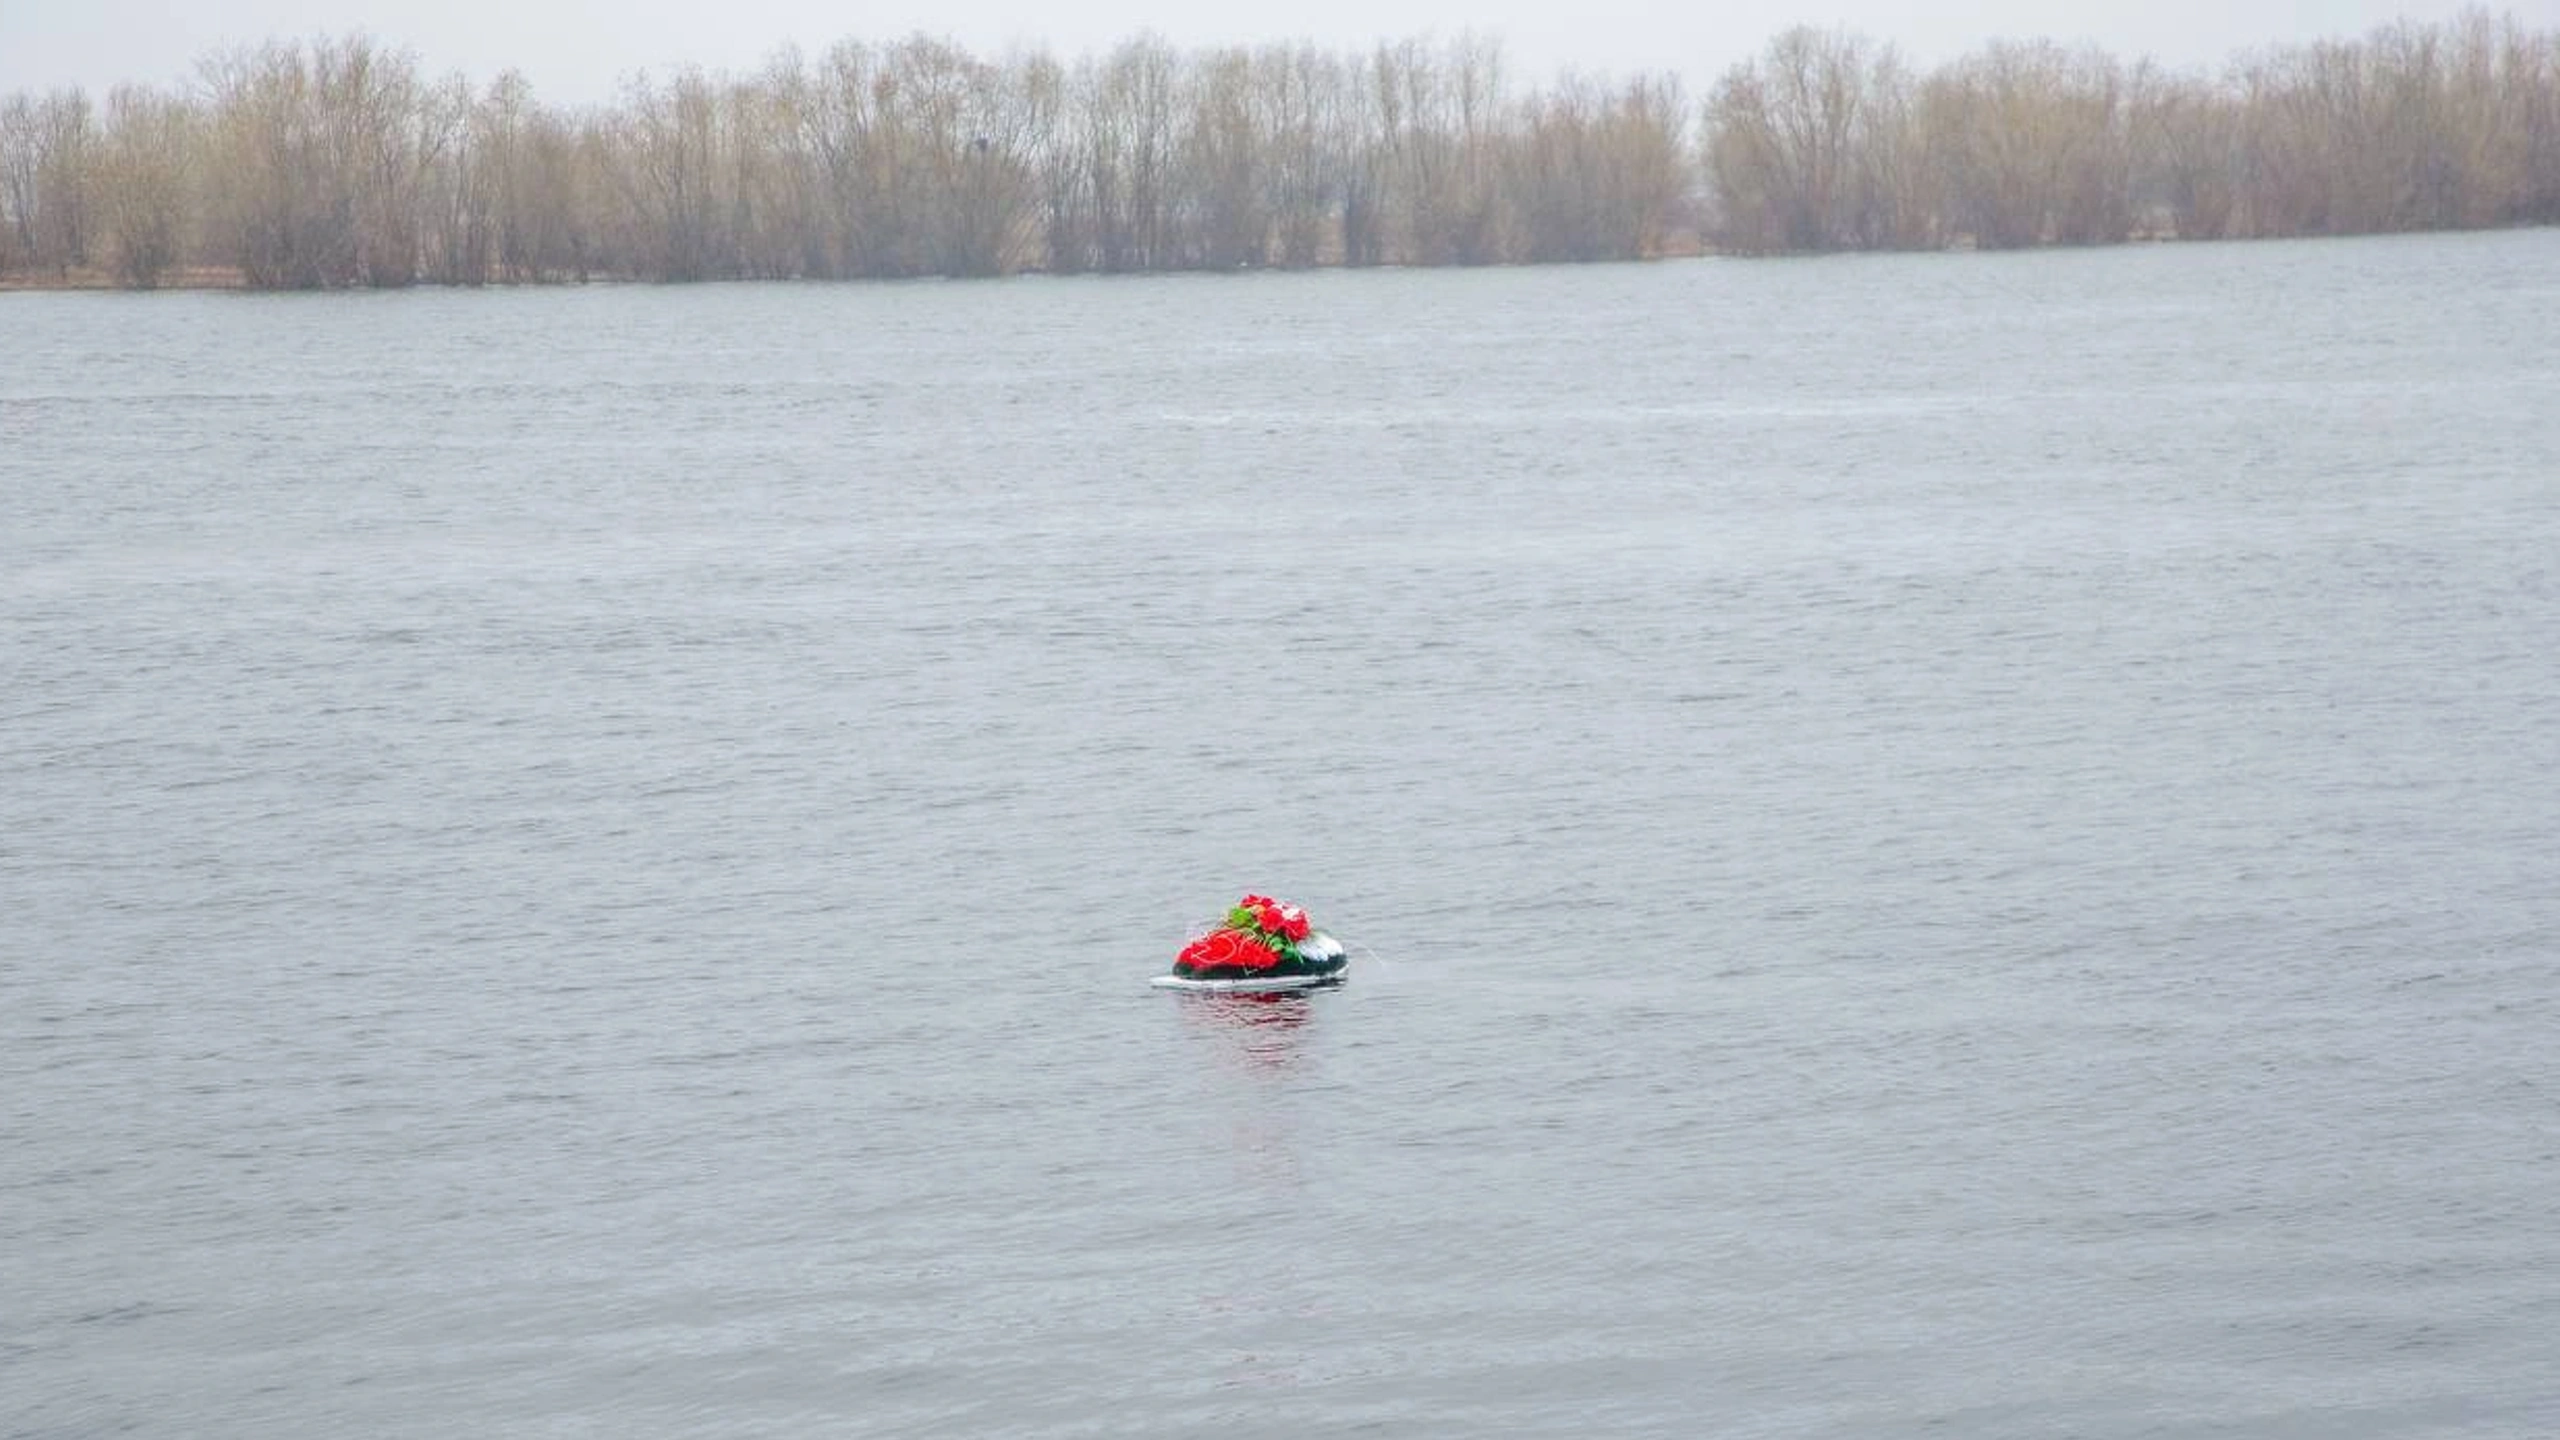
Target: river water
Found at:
x=1962, y=845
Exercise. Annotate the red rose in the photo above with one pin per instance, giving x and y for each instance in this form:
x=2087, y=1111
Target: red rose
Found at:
x=1226, y=947
x=1268, y=917
x=1293, y=923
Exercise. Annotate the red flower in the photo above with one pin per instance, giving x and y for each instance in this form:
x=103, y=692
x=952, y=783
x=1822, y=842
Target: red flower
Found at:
x=1222, y=947
x=1293, y=923
x=1268, y=917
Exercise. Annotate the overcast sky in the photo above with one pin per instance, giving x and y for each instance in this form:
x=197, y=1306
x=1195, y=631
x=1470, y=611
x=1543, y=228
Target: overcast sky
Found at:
x=577, y=51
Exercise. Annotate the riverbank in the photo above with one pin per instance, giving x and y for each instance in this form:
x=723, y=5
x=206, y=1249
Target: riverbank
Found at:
x=1686, y=247
x=93, y=277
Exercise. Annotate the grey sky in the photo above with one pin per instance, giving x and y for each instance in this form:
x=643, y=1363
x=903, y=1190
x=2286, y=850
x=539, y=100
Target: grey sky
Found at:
x=576, y=51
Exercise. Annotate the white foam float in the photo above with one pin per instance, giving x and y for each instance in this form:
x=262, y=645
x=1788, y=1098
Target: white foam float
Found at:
x=1268, y=985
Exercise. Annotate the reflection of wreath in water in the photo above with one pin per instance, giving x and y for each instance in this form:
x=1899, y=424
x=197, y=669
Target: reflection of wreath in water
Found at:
x=1261, y=939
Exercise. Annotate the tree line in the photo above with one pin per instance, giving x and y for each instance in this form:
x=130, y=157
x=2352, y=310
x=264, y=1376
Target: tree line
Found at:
x=341, y=162
x=1828, y=141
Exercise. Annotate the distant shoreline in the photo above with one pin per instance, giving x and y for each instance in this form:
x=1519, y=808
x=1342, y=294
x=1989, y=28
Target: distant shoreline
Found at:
x=202, y=279
x=342, y=164
x=95, y=278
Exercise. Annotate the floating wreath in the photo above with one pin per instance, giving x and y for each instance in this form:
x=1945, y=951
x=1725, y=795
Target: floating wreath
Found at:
x=1260, y=937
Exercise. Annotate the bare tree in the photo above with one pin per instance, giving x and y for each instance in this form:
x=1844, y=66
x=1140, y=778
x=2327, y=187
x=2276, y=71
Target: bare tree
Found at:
x=47, y=157
x=141, y=184
x=278, y=211
x=21, y=157
x=1783, y=139
x=1222, y=204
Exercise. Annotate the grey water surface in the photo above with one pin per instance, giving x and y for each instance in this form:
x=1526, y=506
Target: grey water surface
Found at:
x=1954, y=845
